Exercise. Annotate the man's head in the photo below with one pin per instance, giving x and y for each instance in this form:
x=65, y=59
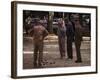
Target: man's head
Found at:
x=66, y=20
x=37, y=21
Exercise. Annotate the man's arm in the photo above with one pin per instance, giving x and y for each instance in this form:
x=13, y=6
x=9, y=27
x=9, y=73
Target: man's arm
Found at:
x=45, y=33
x=31, y=31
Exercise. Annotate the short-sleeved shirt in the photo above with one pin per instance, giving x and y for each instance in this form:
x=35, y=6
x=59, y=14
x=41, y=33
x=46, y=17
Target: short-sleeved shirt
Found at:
x=39, y=32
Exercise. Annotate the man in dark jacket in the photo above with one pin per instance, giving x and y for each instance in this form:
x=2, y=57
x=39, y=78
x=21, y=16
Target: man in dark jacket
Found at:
x=70, y=38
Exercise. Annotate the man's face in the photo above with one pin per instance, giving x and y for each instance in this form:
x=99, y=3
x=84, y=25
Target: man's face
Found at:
x=76, y=21
x=66, y=20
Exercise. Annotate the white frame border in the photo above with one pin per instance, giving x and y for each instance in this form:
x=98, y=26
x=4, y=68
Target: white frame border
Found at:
x=50, y=71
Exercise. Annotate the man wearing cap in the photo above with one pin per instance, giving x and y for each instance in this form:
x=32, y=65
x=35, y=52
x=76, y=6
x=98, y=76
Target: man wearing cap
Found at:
x=78, y=38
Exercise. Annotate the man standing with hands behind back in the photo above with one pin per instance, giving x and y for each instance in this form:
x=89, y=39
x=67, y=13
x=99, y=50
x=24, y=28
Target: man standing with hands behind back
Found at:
x=39, y=33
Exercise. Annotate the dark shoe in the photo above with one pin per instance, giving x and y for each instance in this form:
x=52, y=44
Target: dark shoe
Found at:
x=78, y=61
x=40, y=65
x=35, y=66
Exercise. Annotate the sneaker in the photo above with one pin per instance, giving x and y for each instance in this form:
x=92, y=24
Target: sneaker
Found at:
x=69, y=58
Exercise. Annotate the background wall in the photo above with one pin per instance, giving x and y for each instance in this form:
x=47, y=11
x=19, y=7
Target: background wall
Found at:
x=5, y=40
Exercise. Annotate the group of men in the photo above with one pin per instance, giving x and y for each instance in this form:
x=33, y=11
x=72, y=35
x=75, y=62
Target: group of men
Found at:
x=72, y=30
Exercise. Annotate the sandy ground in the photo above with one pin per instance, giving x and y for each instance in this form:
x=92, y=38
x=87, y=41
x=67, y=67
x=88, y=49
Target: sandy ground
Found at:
x=51, y=55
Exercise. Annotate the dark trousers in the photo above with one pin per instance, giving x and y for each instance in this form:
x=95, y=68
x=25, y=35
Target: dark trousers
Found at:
x=77, y=45
x=38, y=54
x=69, y=48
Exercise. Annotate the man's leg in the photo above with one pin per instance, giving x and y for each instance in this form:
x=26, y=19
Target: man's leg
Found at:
x=60, y=47
x=40, y=59
x=35, y=55
x=78, y=54
x=63, y=47
x=69, y=49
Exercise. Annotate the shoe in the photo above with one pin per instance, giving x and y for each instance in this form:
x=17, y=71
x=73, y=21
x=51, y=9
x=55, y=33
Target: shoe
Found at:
x=40, y=65
x=35, y=65
x=69, y=58
x=78, y=61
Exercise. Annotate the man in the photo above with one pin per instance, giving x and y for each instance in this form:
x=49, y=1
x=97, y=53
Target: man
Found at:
x=78, y=39
x=70, y=37
x=39, y=33
x=61, y=37
x=28, y=23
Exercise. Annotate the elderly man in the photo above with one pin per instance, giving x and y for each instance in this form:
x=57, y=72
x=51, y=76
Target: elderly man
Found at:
x=61, y=37
x=39, y=33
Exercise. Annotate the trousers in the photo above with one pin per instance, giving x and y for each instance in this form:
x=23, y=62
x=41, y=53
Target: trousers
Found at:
x=78, y=45
x=69, y=48
x=62, y=46
x=38, y=54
